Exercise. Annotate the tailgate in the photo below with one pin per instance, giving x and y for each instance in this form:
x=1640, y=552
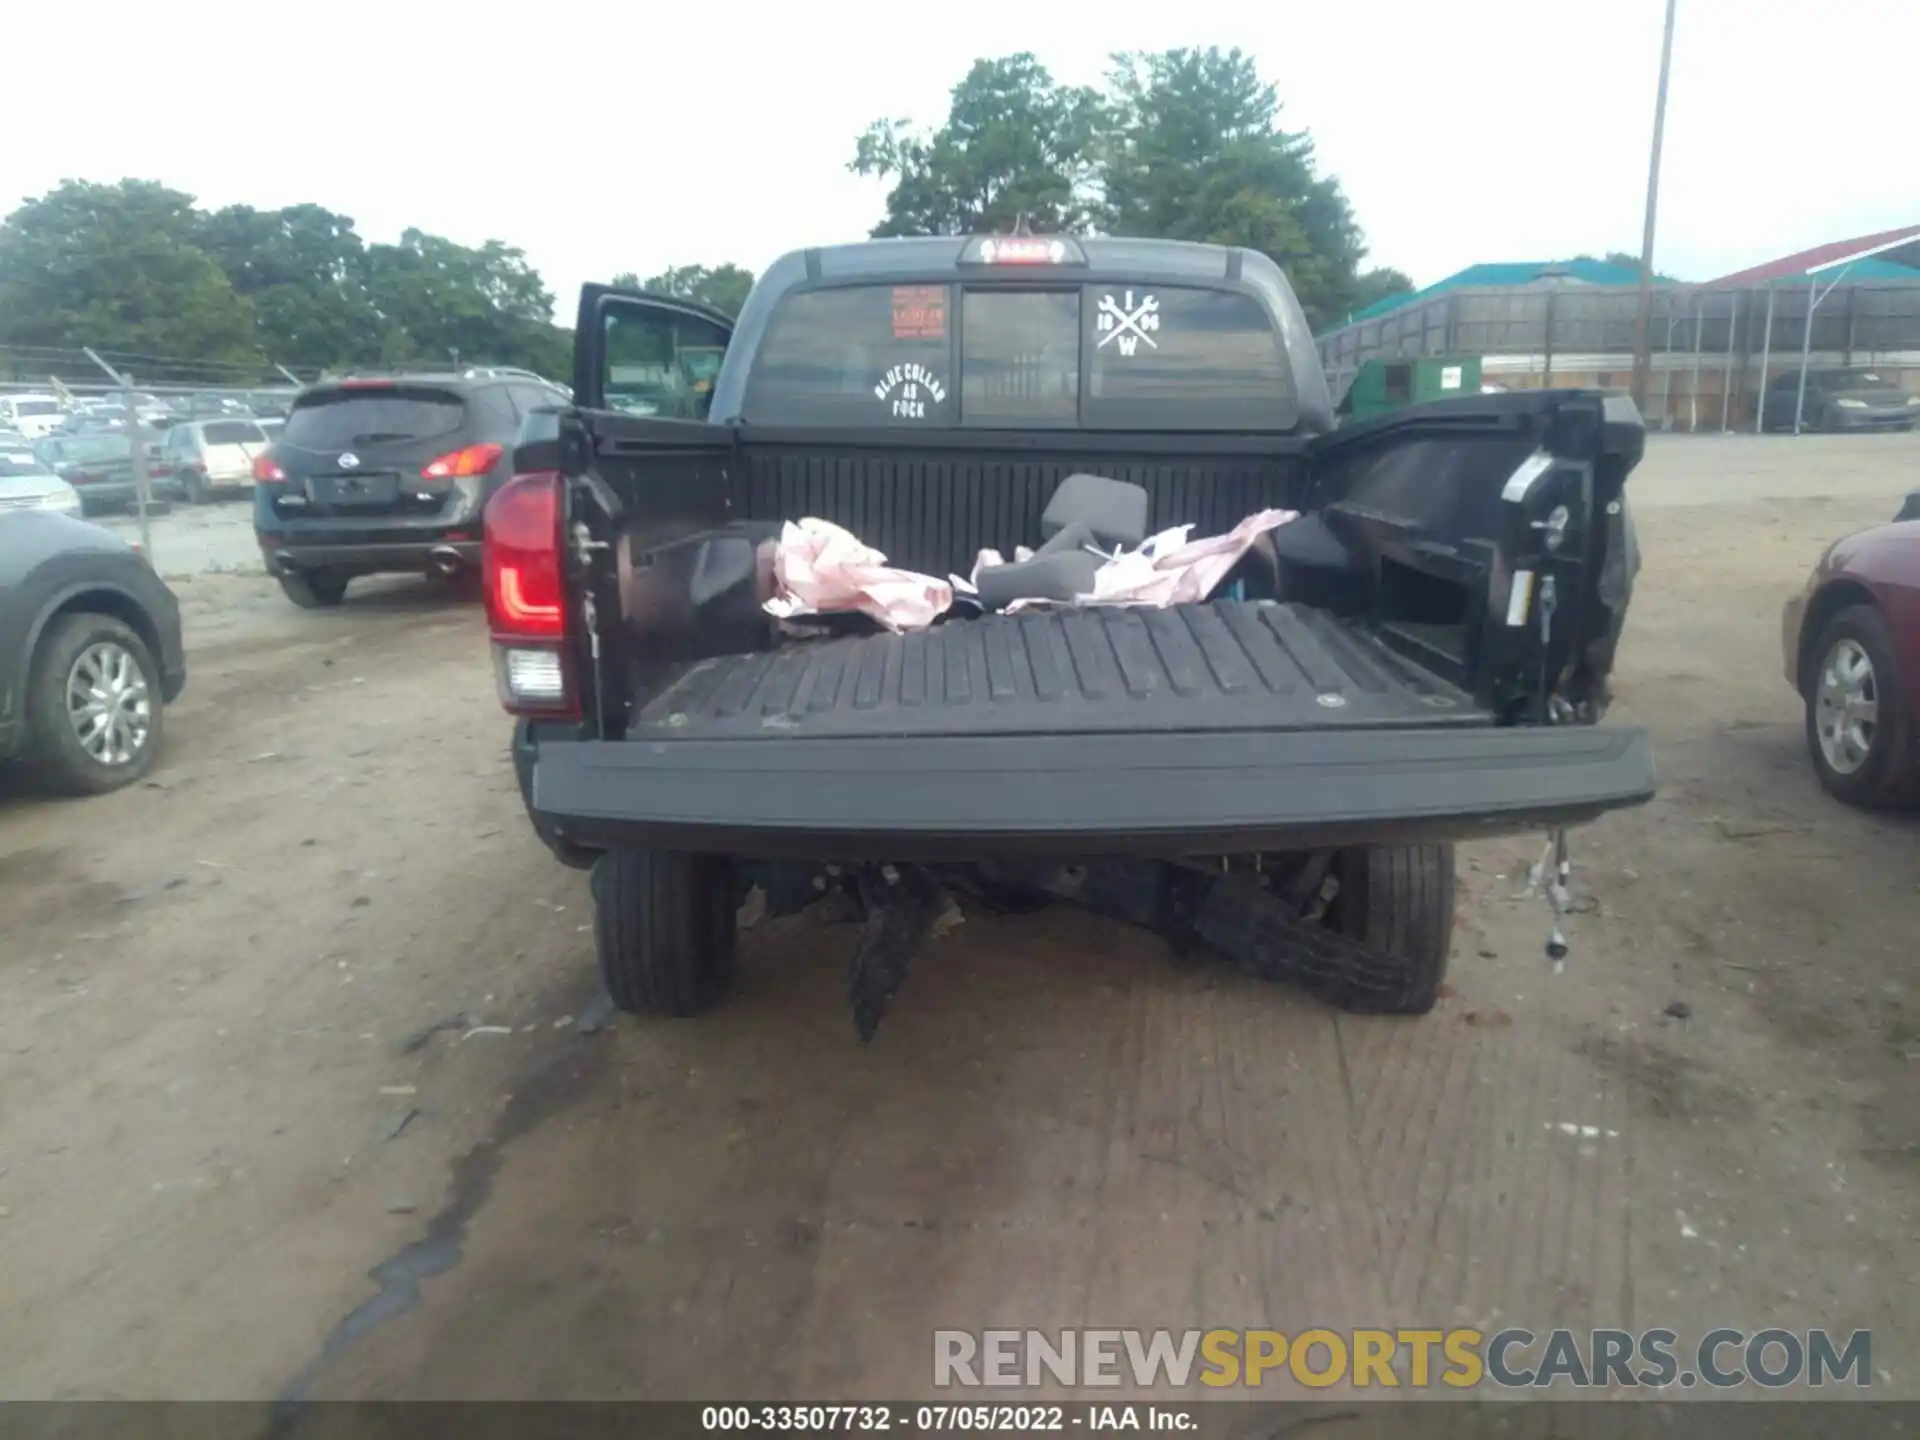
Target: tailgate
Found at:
x=960, y=797
x=1228, y=727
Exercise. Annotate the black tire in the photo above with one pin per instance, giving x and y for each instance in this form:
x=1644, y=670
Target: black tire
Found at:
x=55, y=755
x=663, y=927
x=195, y=486
x=1884, y=779
x=1398, y=900
x=314, y=589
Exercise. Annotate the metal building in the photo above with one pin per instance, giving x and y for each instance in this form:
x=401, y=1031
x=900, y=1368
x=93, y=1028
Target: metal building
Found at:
x=1715, y=345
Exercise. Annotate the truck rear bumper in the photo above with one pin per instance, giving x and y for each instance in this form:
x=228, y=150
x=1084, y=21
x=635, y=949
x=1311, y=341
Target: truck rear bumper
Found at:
x=957, y=798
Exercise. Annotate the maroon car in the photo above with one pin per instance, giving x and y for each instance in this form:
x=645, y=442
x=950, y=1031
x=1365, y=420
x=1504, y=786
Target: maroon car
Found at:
x=1852, y=647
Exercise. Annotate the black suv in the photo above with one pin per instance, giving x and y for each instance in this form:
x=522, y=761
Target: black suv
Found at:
x=387, y=474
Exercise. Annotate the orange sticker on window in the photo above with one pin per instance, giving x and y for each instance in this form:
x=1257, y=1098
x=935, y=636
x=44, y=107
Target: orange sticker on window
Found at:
x=919, y=312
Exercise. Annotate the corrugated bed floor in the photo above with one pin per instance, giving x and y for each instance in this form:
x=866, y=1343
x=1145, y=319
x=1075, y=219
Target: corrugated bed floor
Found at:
x=1226, y=665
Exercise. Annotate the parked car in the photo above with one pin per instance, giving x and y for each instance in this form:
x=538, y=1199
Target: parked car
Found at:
x=90, y=653
x=1851, y=646
x=94, y=418
x=27, y=484
x=1288, y=760
x=211, y=405
x=271, y=427
x=270, y=404
x=206, y=458
x=100, y=466
x=386, y=475
x=1841, y=400
x=35, y=416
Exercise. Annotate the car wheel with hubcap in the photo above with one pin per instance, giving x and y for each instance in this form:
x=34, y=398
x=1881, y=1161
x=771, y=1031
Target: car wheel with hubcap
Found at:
x=93, y=705
x=1859, y=733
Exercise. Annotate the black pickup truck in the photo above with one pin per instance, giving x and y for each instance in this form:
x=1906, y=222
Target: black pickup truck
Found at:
x=1278, y=773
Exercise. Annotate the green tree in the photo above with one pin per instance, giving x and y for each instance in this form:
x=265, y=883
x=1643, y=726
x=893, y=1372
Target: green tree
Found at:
x=724, y=287
x=298, y=245
x=1196, y=152
x=119, y=268
x=1016, y=143
x=1370, y=287
x=1181, y=145
x=441, y=301
x=303, y=269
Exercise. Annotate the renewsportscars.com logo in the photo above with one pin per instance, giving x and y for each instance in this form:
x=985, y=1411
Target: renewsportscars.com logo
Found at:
x=1511, y=1359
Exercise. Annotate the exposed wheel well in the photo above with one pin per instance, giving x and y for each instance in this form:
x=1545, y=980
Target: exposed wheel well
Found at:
x=101, y=602
x=1828, y=603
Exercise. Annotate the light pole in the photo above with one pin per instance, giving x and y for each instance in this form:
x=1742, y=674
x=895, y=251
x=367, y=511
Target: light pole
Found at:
x=1644, y=310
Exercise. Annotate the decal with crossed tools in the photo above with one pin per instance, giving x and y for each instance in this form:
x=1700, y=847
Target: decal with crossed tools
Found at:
x=1128, y=323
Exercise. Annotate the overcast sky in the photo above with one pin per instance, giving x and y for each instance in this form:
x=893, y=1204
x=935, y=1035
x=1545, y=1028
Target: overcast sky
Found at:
x=602, y=137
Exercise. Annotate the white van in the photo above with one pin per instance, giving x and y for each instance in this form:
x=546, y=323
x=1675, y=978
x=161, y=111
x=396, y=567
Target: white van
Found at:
x=34, y=416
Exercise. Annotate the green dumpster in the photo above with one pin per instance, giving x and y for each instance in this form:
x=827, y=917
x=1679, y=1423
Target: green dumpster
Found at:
x=1380, y=386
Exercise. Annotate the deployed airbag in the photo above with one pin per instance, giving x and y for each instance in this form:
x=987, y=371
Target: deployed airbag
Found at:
x=821, y=569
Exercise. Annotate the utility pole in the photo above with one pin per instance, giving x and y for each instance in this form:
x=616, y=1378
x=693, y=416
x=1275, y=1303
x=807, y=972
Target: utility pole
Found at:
x=1644, y=310
x=136, y=449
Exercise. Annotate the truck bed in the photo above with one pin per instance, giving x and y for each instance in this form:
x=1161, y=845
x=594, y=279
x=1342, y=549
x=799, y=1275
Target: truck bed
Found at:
x=1194, y=669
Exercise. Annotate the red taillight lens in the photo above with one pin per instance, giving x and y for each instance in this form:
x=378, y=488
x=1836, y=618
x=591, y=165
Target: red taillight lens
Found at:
x=264, y=468
x=526, y=604
x=474, y=460
x=521, y=559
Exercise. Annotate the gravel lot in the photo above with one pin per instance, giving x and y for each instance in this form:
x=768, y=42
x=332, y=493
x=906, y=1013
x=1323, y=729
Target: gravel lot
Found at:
x=262, y=1132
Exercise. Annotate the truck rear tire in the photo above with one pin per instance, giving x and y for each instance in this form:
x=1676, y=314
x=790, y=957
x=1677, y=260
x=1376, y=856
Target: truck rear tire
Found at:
x=1398, y=900
x=663, y=926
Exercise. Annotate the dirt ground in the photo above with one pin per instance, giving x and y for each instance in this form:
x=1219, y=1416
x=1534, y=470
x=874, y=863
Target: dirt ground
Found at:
x=304, y=1090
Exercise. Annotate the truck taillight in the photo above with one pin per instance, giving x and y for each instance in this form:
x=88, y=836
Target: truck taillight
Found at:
x=526, y=603
x=473, y=460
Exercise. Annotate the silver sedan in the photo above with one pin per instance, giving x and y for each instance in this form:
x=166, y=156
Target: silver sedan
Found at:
x=27, y=484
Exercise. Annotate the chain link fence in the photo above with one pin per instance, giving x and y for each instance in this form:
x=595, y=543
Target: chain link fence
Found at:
x=104, y=421
x=109, y=421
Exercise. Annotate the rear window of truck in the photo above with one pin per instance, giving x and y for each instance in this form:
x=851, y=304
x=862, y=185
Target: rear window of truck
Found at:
x=1096, y=356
